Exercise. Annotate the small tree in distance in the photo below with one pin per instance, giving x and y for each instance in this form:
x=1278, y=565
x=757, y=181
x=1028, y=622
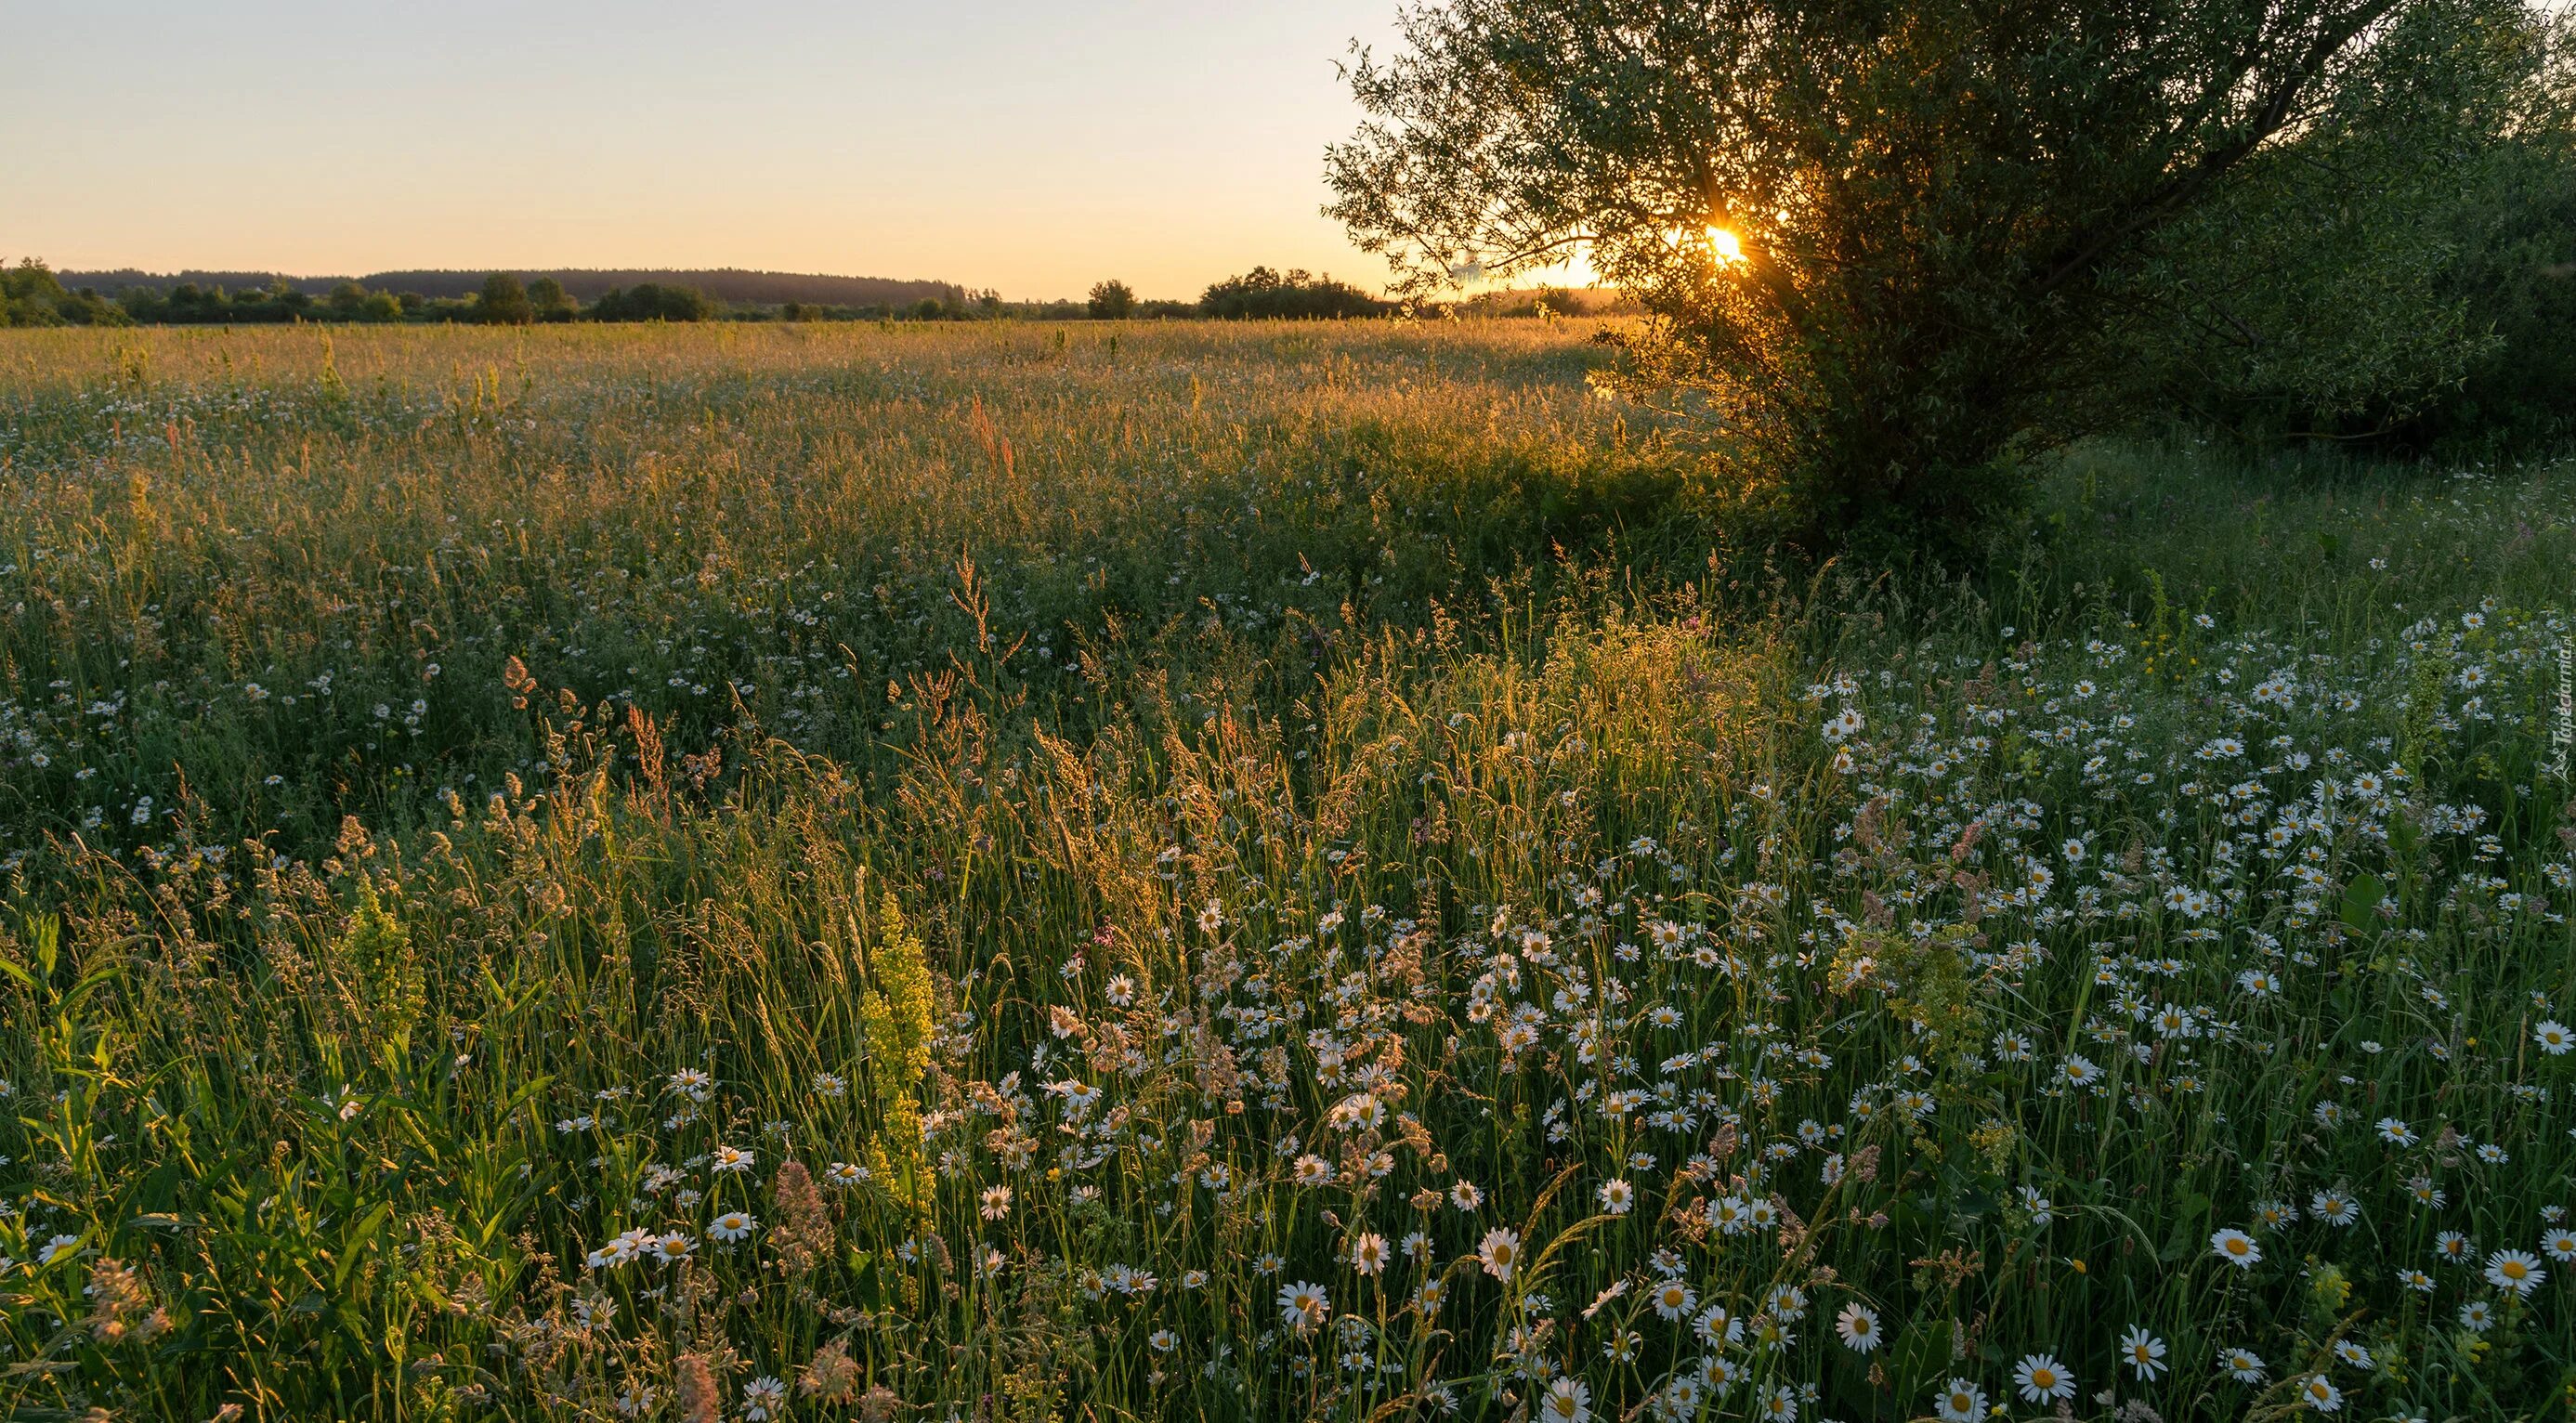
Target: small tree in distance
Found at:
x=1112, y=300
x=547, y=301
x=504, y=302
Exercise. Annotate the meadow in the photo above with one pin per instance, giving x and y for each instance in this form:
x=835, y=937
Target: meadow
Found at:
x=1194, y=870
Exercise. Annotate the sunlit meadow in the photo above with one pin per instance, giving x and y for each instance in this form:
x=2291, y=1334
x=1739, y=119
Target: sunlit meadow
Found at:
x=987, y=872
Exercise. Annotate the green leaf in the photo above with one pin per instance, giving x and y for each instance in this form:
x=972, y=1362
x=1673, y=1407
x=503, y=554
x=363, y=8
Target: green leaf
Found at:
x=2360, y=901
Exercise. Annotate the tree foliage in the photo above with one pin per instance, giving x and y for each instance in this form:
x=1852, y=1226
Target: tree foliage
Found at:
x=652, y=301
x=1112, y=300
x=1262, y=292
x=30, y=295
x=1887, y=251
x=2434, y=309
x=503, y=302
x=547, y=300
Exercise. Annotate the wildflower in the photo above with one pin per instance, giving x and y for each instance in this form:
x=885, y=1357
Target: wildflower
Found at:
x=2242, y=1365
x=615, y=1254
x=2559, y=1245
x=2354, y=1355
x=1788, y=1302
x=1567, y=1400
x=842, y=1173
x=2516, y=1272
x=732, y=1226
x=2554, y=1037
x=1961, y=1402
x=1079, y=1097
x=2080, y=1071
x=2335, y=1208
x=2320, y=1394
x=1369, y=1253
x=760, y=1396
x=1617, y=1197
x=1673, y=1299
x=1858, y=1326
x=2144, y=1352
x=1302, y=1306
x=1719, y=1327
x=2042, y=1379
x=2396, y=1132
x=56, y=1249
x=1465, y=1196
x=996, y=1202
x=1501, y=1252
x=727, y=1158
x=2477, y=1316
x=2451, y=1247
x=2236, y=1248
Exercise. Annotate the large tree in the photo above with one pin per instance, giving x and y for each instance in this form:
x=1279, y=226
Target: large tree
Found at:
x=1888, y=250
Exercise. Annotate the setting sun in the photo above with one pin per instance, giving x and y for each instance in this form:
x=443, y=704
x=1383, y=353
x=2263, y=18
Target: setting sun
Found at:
x=1725, y=245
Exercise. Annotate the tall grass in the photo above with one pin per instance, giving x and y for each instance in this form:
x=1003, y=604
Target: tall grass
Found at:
x=1248, y=871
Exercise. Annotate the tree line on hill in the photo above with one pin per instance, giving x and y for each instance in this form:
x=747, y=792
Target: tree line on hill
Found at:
x=584, y=284
x=36, y=296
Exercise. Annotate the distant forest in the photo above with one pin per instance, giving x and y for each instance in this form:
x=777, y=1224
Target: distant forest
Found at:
x=32, y=294
x=585, y=284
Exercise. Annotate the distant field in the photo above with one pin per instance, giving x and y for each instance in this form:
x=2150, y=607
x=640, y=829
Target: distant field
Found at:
x=1007, y=871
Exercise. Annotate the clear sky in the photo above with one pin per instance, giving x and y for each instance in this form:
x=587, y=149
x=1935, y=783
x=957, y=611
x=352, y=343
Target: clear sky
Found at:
x=1033, y=147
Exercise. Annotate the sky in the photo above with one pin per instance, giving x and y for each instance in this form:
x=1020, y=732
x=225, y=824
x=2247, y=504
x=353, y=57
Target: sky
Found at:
x=1030, y=147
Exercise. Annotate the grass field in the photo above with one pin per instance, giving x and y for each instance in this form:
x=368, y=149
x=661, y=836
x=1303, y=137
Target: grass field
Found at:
x=992, y=872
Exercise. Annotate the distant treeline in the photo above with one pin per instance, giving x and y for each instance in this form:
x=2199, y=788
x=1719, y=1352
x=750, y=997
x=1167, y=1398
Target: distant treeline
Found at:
x=33, y=295
x=583, y=284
